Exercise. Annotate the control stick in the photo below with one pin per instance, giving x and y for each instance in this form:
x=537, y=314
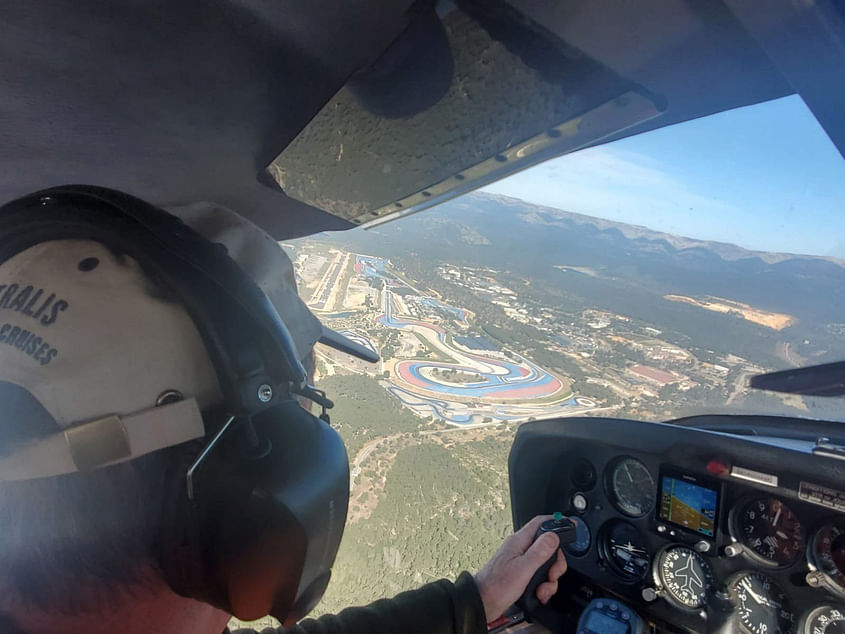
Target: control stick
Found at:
x=565, y=529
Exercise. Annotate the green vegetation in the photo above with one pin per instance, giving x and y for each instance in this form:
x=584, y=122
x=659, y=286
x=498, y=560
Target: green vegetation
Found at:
x=364, y=411
x=442, y=511
x=434, y=354
x=457, y=376
x=390, y=344
x=560, y=363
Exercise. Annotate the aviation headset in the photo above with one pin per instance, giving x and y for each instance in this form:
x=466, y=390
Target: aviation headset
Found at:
x=255, y=511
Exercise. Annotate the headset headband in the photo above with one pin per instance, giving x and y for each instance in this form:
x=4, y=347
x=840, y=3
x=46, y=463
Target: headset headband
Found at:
x=183, y=259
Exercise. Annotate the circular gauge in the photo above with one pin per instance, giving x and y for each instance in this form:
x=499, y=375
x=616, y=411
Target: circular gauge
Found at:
x=625, y=549
x=631, y=487
x=825, y=619
x=770, y=530
x=685, y=576
x=827, y=554
x=583, y=474
x=582, y=538
x=761, y=605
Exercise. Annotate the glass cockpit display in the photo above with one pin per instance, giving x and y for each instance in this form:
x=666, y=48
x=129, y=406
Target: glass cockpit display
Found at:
x=689, y=502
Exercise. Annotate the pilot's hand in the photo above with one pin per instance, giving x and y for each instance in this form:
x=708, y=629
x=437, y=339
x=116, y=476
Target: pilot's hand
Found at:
x=503, y=580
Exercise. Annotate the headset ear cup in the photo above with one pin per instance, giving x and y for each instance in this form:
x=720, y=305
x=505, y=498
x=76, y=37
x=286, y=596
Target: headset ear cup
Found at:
x=227, y=547
x=180, y=546
x=263, y=552
x=257, y=538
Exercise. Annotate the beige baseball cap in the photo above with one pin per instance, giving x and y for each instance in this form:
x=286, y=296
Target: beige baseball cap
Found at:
x=93, y=354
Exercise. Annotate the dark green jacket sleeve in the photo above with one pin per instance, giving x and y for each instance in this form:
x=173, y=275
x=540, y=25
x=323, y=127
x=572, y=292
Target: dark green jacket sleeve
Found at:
x=441, y=607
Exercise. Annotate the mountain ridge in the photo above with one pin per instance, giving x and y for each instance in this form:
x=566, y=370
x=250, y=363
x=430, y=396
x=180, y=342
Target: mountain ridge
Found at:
x=726, y=250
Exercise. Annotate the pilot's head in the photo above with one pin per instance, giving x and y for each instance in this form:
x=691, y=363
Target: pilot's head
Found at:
x=124, y=400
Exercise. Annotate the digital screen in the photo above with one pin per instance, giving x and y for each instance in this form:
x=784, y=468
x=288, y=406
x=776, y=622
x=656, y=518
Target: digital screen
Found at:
x=689, y=505
x=601, y=623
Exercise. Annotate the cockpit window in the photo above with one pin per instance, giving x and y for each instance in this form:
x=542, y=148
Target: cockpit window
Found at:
x=648, y=278
x=765, y=178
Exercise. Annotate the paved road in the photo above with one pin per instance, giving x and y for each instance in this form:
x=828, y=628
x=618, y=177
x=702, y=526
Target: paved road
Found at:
x=740, y=385
x=788, y=354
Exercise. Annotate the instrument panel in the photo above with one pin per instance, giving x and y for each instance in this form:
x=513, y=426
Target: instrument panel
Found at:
x=698, y=531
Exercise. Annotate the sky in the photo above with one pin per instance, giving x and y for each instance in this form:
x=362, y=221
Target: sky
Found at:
x=765, y=177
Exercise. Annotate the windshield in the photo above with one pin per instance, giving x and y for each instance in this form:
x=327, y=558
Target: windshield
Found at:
x=648, y=278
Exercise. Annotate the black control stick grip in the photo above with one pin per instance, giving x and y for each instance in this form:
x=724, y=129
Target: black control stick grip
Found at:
x=565, y=529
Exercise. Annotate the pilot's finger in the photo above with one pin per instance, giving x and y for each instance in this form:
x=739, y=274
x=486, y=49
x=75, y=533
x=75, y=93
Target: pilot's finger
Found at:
x=540, y=552
x=558, y=568
x=546, y=591
x=524, y=537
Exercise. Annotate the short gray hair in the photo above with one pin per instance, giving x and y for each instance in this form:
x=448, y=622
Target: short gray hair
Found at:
x=96, y=531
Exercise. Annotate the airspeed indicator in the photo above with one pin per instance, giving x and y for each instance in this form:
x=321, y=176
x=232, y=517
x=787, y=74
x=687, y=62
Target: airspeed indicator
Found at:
x=631, y=487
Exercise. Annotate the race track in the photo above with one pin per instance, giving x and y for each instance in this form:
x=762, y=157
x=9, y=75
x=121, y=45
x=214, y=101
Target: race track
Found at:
x=510, y=387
